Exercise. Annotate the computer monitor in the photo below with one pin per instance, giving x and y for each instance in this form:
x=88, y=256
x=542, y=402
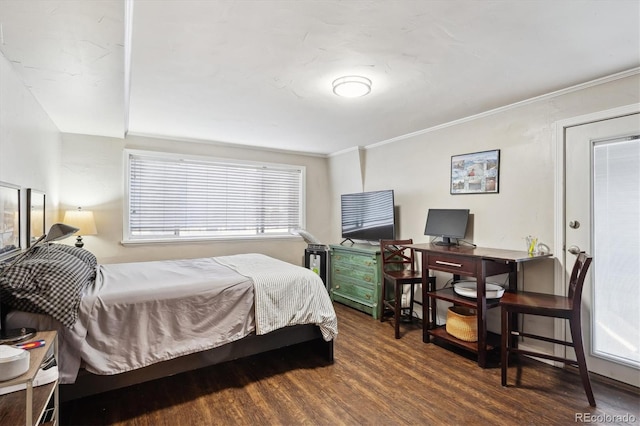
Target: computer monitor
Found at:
x=448, y=224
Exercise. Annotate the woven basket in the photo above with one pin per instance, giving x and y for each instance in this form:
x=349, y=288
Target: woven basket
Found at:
x=462, y=323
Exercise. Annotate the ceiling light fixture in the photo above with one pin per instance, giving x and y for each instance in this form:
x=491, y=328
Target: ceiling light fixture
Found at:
x=351, y=86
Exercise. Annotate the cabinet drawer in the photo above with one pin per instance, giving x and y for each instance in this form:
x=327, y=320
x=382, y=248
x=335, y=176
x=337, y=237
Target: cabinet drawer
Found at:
x=355, y=259
x=353, y=290
x=367, y=277
x=455, y=264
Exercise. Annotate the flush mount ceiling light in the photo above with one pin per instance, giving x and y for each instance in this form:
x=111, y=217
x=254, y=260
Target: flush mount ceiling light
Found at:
x=351, y=86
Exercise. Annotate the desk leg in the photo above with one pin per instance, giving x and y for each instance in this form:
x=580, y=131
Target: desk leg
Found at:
x=513, y=317
x=433, y=304
x=426, y=301
x=482, y=314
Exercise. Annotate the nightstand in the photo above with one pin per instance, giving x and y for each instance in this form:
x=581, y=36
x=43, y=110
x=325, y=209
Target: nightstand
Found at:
x=28, y=406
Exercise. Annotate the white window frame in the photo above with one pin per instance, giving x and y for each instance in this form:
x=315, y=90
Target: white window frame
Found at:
x=127, y=238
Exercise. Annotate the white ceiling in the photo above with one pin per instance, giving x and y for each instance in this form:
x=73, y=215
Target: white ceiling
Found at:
x=259, y=72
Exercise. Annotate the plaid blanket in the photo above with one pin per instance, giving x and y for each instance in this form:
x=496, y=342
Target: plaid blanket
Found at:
x=50, y=280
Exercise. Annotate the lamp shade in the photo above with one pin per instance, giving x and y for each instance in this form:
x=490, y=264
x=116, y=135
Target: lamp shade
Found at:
x=81, y=219
x=59, y=231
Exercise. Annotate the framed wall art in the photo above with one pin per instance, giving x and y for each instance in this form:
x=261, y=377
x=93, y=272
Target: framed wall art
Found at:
x=35, y=215
x=10, y=220
x=475, y=173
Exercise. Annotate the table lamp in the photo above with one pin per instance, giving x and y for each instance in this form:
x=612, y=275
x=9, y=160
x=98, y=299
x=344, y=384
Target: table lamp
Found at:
x=57, y=231
x=83, y=220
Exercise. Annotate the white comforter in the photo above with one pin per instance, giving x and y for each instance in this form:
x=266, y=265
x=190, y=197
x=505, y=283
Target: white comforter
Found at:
x=285, y=294
x=141, y=313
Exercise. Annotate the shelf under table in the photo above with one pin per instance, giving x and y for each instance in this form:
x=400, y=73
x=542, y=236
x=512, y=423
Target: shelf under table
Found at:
x=12, y=404
x=451, y=296
x=493, y=340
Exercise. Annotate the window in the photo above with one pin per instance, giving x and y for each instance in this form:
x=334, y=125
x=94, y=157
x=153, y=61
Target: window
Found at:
x=172, y=197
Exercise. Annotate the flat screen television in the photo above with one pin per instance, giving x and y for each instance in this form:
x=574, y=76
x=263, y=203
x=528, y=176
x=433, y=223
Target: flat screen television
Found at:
x=448, y=224
x=368, y=216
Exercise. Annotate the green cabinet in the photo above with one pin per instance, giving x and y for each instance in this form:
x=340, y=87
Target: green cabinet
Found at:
x=356, y=277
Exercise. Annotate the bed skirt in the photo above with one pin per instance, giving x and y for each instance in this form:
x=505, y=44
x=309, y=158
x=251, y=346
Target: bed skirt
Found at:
x=89, y=384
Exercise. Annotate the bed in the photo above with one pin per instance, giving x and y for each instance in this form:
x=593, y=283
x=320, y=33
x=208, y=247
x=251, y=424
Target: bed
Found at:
x=121, y=324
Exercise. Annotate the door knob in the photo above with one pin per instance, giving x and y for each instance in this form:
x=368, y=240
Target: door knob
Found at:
x=574, y=250
x=574, y=224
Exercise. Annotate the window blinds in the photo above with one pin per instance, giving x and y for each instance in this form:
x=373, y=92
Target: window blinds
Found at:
x=616, y=233
x=180, y=198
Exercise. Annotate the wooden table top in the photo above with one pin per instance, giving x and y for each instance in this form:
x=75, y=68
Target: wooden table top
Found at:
x=482, y=252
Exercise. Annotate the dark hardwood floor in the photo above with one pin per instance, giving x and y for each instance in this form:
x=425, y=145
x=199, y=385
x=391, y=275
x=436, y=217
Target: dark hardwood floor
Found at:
x=375, y=380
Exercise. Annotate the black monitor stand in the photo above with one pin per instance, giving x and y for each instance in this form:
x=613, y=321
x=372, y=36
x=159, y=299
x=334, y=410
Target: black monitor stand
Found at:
x=446, y=241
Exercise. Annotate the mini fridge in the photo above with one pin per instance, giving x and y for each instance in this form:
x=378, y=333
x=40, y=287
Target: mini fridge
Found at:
x=316, y=258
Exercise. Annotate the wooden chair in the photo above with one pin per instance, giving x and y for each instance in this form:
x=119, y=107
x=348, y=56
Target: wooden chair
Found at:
x=398, y=270
x=550, y=306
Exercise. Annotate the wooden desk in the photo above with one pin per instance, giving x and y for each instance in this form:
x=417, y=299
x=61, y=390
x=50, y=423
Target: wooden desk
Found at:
x=467, y=261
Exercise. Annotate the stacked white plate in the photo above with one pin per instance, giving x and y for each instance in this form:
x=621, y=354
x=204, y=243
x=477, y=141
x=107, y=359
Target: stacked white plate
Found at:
x=13, y=362
x=469, y=289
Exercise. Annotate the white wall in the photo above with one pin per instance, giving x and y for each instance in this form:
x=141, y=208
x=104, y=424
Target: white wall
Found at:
x=93, y=178
x=418, y=170
x=29, y=143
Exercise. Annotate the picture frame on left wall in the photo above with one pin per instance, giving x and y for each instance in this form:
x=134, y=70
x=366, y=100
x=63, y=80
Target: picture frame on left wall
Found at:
x=10, y=220
x=35, y=215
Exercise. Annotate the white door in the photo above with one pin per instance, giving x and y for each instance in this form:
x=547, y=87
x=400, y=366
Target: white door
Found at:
x=602, y=206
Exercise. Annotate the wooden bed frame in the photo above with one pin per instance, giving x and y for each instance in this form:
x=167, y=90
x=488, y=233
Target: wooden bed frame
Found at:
x=89, y=384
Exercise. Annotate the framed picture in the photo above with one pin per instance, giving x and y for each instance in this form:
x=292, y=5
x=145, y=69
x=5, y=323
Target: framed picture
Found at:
x=475, y=173
x=35, y=215
x=10, y=221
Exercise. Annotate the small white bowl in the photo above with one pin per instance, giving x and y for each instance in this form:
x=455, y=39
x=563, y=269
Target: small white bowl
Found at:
x=13, y=362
